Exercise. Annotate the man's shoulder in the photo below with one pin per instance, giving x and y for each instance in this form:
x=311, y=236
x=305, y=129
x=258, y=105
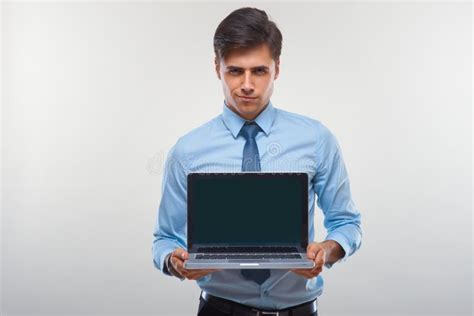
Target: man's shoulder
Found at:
x=197, y=136
x=303, y=123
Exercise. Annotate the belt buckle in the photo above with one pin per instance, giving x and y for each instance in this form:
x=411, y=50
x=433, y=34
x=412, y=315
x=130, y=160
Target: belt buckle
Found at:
x=262, y=313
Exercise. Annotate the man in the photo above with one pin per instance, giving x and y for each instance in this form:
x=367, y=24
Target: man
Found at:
x=251, y=134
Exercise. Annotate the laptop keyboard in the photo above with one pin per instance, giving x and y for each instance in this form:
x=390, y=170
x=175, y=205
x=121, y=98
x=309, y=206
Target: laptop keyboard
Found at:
x=247, y=253
x=250, y=256
x=247, y=249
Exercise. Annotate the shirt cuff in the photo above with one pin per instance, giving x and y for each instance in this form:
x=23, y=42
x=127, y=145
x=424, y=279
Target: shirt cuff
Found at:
x=343, y=242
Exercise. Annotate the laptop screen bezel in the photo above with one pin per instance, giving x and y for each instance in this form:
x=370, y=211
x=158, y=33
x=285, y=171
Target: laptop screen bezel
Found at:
x=193, y=176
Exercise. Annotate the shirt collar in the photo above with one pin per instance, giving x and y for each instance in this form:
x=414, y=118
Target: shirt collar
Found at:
x=234, y=122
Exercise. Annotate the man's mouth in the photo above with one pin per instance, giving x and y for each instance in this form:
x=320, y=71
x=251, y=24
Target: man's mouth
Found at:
x=246, y=98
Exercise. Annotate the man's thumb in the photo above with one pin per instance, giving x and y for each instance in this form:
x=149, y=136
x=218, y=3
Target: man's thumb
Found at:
x=180, y=253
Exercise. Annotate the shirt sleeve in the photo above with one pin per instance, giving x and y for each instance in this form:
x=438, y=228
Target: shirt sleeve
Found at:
x=170, y=226
x=331, y=182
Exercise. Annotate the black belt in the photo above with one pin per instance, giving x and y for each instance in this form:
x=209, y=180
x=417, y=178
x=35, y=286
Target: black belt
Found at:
x=234, y=308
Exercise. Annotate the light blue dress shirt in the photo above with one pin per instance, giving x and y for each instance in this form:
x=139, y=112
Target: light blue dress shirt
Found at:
x=289, y=142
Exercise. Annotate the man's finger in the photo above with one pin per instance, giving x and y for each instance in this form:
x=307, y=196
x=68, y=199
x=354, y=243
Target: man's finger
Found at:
x=309, y=274
x=306, y=275
x=311, y=250
x=319, y=260
x=207, y=271
x=178, y=264
x=181, y=254
x=303, y=272
x=194, y=275
x=316, y=271
x=298, y=271
x=190, y=273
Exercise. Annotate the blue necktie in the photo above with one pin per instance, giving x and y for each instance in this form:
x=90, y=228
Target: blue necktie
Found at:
x=251, y=162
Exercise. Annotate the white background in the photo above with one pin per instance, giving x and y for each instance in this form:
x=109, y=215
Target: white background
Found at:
x=95, y=94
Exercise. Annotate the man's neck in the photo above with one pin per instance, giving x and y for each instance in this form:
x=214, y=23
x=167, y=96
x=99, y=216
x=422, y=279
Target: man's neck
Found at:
x=248, y=118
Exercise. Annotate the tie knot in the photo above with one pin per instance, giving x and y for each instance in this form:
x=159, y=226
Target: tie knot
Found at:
x=250, y=130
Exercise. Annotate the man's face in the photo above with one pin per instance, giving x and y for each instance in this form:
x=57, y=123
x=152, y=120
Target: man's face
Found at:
x=247, y=77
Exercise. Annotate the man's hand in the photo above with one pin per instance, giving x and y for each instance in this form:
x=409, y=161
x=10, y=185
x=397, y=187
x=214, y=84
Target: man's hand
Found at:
x=316, y=252
x=177, y=260
x=328, y=251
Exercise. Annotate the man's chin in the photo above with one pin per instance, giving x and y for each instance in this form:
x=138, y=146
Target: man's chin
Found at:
x=248, y=107
x=249, y=111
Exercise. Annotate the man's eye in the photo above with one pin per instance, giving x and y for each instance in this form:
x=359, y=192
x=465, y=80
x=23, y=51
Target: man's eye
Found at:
x=234, y=71
x=260, y=71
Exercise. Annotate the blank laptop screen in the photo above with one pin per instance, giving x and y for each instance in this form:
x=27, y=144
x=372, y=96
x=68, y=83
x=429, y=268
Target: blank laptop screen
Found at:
x=247, y=209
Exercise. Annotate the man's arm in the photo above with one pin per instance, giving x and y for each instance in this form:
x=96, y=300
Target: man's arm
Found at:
x=169, y=244
x=341, y=217
x=170, y=226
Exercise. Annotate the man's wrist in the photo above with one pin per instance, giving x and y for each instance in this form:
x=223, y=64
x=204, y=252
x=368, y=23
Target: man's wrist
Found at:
x=334, y=251
x=170, y=267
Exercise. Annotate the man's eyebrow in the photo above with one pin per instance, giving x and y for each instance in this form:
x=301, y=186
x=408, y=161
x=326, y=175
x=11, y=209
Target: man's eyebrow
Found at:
x=253, y=68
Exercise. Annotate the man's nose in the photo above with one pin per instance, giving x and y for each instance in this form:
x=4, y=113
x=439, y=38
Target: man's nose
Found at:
x=247, y=84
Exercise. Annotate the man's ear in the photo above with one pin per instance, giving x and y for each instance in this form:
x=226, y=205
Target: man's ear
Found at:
x=217, y=65
x=277, y=68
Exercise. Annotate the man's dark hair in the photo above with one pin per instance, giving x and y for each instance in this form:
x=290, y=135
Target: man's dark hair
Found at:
x=247, y=28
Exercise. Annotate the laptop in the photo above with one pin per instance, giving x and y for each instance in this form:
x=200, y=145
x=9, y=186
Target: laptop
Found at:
x=247, y=220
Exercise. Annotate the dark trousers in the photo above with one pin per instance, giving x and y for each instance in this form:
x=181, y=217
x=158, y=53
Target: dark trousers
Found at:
x=205, y=309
